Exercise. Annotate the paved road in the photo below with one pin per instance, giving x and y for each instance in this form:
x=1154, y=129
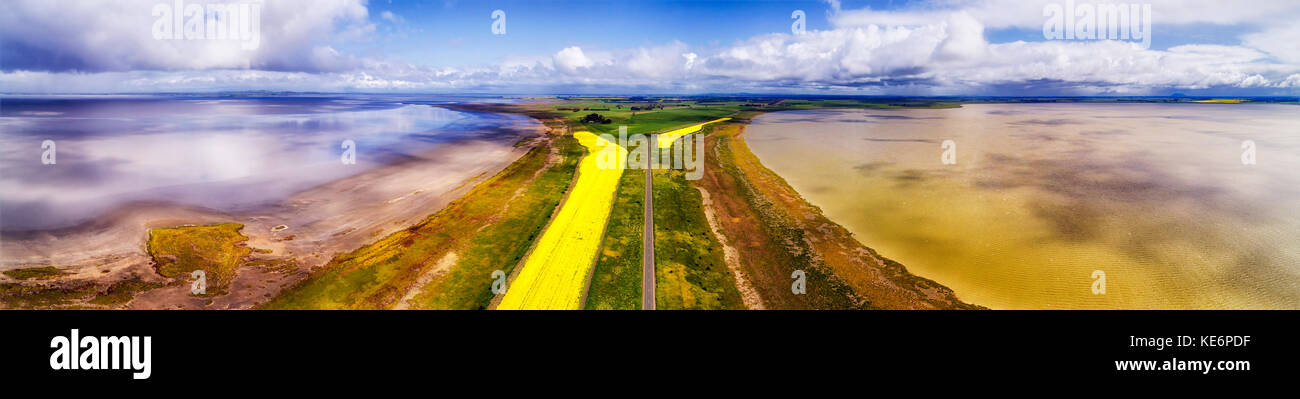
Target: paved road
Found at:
x=648, y=246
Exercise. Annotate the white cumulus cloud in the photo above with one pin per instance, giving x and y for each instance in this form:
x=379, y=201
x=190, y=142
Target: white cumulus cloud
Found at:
x=934, y=47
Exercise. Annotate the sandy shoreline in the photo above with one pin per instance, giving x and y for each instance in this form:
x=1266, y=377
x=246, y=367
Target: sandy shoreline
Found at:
x=321, y=222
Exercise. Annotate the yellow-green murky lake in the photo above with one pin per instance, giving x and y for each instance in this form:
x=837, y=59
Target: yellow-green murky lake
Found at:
x=1042, y=196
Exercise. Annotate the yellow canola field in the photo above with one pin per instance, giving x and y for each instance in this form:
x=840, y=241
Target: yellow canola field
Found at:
x=666, y=139
x=555, y=274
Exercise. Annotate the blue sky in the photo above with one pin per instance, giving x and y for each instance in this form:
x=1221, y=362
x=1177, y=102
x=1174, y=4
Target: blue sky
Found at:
x=458, y=33
x=928, y=47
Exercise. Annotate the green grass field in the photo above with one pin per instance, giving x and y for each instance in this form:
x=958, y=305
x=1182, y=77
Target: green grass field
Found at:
x=680, y=113
x=690, y=272
x=645, y=121
x=616, y=281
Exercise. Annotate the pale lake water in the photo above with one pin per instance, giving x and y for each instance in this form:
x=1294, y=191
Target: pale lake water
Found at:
x=220, y=152
x=1155, y=196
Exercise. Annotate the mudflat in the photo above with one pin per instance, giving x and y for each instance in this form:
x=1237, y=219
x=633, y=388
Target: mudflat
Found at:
x=303, y=231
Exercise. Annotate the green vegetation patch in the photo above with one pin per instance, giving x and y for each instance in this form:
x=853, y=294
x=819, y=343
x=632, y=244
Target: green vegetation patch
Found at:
x=643, y=120
x=503, y=244
x=649, y=115
x=616, y=280
x=23, y=296
x=122, y=292
x=35, y=273
x=279, y=265
x=690, y=271
x=216, y=249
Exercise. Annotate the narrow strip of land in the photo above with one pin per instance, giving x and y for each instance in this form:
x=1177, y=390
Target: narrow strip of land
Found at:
x=648, y=248
x=554, y=276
